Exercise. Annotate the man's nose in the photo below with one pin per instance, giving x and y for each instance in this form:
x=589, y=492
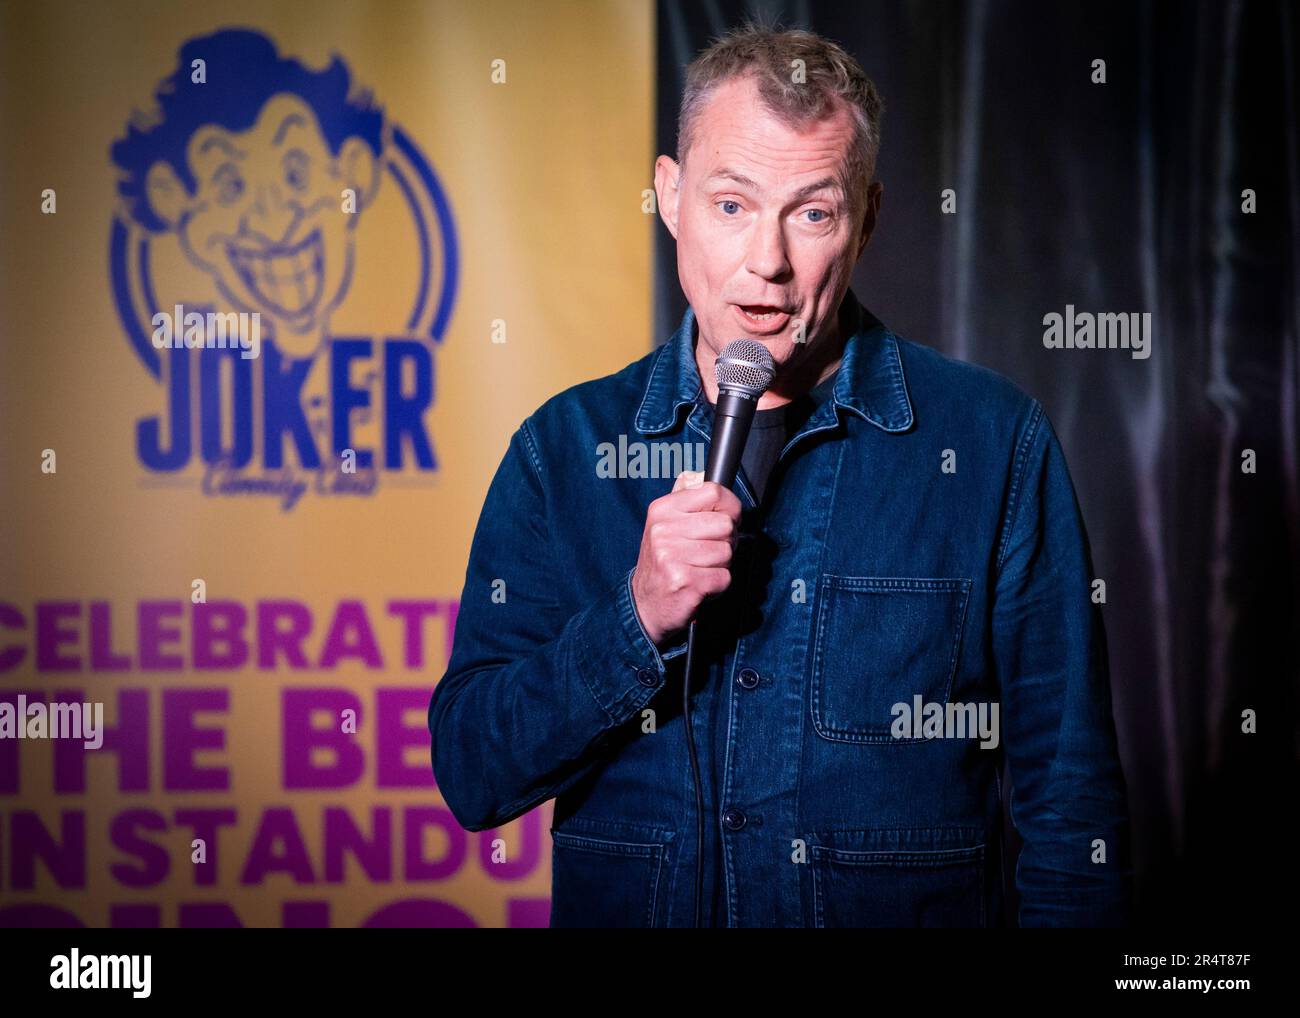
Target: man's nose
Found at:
x=269, y=213
x=766, y=256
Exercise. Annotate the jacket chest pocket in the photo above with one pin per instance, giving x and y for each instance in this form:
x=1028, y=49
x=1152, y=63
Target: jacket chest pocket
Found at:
x=880, y=641
x=597, y=881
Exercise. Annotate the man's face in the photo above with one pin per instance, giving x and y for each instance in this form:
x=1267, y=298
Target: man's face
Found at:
x=266, y=220
x=766, y=239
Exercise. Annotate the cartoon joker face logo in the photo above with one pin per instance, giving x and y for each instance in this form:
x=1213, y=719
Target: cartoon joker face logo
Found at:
x=262, y=169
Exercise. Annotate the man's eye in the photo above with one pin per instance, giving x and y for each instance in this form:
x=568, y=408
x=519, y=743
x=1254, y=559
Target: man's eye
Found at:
x=295, y=169
x=728, y=202
x=821, y=213
x=229, y=184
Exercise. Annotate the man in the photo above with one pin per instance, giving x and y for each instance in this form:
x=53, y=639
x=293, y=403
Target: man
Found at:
x=894, y=595
x=249, y=176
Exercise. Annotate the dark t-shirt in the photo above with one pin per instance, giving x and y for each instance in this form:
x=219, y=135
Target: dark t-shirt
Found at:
x=767, y=437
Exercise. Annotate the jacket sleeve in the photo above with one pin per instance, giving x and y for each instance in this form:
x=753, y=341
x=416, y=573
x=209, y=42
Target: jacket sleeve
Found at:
x=1068, y=793
x=532, y=692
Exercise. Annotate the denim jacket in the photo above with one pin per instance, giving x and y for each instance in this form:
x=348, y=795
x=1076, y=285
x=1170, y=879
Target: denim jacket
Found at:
x=919, y=562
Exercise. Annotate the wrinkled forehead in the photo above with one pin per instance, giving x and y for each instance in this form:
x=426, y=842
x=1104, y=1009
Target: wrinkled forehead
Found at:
x=737, y=128
x=285, y=122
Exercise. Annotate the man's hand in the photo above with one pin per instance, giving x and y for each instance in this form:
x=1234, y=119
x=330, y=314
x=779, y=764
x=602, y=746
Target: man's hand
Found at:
x=685, y=553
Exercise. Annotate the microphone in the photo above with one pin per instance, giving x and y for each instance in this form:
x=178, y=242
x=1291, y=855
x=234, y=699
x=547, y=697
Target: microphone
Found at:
x=744, y=370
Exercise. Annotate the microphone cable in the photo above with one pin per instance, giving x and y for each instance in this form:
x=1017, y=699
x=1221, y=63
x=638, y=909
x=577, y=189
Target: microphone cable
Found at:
x=695, y=773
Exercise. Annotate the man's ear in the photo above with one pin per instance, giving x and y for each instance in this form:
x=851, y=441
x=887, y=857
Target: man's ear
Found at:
x=874, y=193
x=359, y=169
x=667, y=193
x=165, y=193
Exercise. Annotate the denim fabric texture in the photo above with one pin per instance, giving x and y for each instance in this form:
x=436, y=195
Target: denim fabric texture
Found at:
x=920, y=537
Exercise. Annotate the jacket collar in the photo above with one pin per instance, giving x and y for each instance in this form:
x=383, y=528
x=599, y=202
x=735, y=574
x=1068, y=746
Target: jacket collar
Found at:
x=869, y=383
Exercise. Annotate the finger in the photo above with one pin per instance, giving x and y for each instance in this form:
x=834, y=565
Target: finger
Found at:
x=706, y=497
x=715, y=581
x=701, y=554
x=707, y=526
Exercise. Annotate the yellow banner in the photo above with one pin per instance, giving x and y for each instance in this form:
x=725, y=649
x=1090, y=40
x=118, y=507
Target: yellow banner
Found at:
x=278, y=283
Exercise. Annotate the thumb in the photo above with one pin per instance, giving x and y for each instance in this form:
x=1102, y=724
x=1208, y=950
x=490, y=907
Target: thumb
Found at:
x=688, y=479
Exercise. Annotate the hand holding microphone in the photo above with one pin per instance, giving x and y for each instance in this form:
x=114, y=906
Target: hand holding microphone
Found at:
x=689, y=534
x=685, y=553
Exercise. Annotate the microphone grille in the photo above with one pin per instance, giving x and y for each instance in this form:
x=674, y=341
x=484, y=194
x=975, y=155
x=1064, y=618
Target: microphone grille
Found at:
x=745, y=365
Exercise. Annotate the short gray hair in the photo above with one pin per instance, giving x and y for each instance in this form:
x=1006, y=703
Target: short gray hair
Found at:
x=768, y=54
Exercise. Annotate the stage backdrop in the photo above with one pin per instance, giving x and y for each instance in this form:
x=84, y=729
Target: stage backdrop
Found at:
x=252, y=556
x=1116, y=157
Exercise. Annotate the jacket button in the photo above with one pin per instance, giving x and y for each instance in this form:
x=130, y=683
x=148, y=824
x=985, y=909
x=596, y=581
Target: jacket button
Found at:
x=733, y=819
x=647, y=676
x=747, y=679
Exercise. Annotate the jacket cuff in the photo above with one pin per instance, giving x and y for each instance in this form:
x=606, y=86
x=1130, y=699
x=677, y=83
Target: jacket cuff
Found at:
x=621, y=665
x=674, y=650
x=660, y=655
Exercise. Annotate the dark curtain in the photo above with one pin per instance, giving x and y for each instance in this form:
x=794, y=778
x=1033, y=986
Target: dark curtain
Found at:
x=1116, y=197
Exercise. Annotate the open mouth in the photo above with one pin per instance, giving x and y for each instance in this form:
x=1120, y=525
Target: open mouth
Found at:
x=762, y=318
x=285, y=279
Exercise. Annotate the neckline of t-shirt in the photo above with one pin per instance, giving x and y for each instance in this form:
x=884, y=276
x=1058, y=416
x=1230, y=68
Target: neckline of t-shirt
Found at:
x=771, y=416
